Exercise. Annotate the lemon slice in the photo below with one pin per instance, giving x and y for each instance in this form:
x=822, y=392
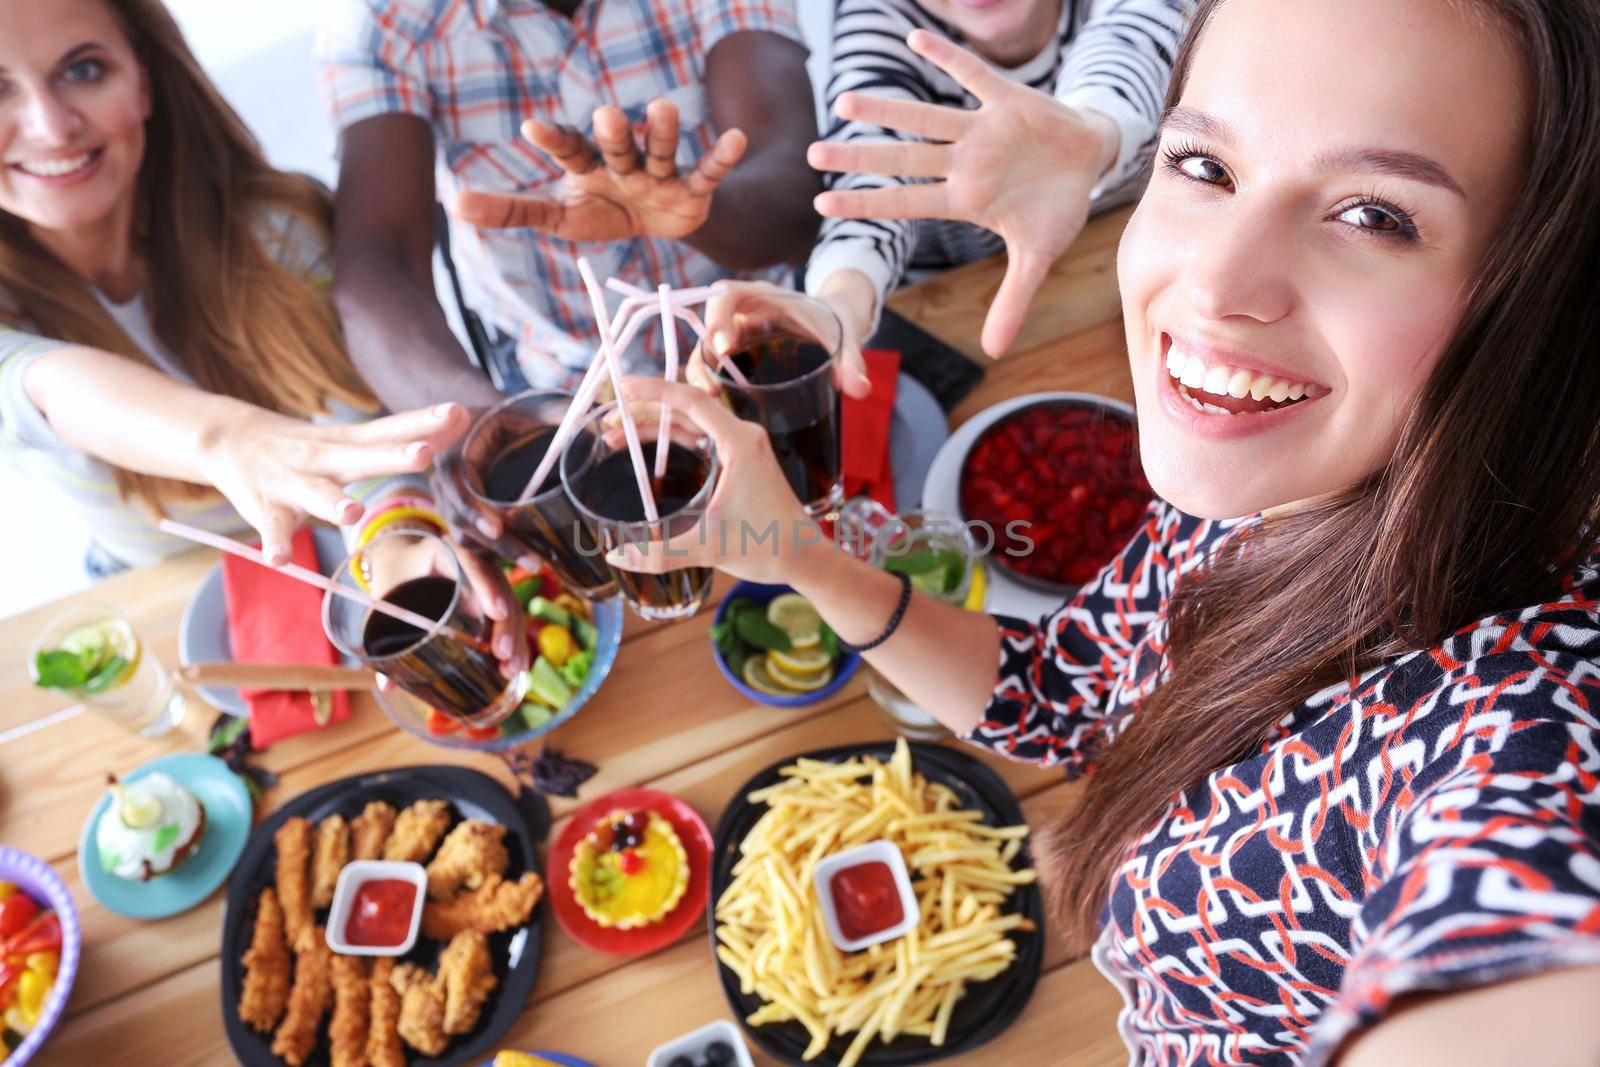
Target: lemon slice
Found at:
x=798, y=683
x=800, y=661
x=977, y=587
x=758, y=677
x=794, y=615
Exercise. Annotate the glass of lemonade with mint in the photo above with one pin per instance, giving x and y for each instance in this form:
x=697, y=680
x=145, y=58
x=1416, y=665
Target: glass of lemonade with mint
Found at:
x=92, y=653
x=938, y=553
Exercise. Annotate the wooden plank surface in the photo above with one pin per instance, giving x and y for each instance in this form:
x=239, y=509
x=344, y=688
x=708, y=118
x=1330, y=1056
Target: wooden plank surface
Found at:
x=147, y=992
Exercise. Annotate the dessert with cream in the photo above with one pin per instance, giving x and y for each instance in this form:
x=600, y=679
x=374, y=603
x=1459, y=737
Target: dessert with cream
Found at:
x=151, y=827
x=631, y=870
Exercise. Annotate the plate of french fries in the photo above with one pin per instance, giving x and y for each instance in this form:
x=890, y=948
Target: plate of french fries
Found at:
x=950, y=985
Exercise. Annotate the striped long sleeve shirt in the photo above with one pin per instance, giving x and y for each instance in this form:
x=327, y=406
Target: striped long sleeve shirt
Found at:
x=1111, y=56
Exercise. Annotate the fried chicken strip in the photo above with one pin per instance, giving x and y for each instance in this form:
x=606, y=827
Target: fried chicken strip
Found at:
x=496, y=905
x=421, y=1022
x=266, y=967
x=293, y=879
x=347, y=1030
x=370, y=830
x=332, y=853
x=471, y=852
x=309, y=997
x=383, y=1035
x=467, y=975
x=417, y=831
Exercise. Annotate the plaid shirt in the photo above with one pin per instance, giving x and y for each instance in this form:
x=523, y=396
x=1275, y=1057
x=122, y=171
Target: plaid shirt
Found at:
x=475, y=69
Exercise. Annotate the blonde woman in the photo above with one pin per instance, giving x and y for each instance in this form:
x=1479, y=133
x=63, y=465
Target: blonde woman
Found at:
x=168, y=344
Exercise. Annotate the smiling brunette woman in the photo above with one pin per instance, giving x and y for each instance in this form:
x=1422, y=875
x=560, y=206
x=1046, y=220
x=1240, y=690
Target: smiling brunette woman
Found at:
x=165, y=320
x=1340, y=696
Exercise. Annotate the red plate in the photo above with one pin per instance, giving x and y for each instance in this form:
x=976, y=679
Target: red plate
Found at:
x=585, y=931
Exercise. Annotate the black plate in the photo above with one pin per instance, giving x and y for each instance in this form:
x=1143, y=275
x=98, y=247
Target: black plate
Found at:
x=515, y=952
x=988, y=1007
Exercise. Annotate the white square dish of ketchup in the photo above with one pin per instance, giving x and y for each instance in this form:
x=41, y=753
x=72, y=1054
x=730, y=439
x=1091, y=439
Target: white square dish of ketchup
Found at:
x=866, y=896
x=377, y=908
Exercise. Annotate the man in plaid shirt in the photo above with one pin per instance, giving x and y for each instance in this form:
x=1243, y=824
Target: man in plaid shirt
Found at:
x=663, y=139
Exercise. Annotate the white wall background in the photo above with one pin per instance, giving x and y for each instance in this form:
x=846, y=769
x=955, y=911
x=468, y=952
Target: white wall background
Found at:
x=259, y=53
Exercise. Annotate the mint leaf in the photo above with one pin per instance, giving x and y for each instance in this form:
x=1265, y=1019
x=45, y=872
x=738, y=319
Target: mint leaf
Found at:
x=829, y=640
x=915, y=563
x=109, y=674
x=755, y=629
x=59, y=670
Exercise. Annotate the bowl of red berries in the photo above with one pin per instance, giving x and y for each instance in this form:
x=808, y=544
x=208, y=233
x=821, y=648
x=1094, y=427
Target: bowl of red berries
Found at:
x=1058, y=484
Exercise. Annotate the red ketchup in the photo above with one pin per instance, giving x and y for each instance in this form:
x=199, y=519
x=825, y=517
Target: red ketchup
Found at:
x=381, y=914
x=866, y=899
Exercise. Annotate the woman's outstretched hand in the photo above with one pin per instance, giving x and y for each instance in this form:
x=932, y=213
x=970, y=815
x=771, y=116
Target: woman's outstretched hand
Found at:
x=276, y=470
x=1021, y=164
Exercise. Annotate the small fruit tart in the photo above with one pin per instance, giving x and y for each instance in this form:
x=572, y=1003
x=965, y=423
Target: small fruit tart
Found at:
x=630, y=871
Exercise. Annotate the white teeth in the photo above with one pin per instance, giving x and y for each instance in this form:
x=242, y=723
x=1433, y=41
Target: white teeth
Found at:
x=1194, y=372
x=1221, y=380
x=56, y=168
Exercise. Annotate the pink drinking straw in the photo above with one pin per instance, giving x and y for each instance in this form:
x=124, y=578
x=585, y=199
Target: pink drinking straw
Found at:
x=584, y=398
x=680, y=300
x=310, y=577
x=630, y=431
x=669, y=326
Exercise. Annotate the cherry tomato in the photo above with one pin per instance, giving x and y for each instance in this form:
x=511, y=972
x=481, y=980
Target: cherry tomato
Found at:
x=483, y=733
x=440, y=723
x=549, y=583
x=16, y=911
x=43, y=934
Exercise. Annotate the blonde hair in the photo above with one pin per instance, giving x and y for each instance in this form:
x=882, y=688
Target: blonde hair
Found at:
x=238, y=321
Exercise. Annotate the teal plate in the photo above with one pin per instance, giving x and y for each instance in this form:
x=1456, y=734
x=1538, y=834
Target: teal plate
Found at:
x=228, y=817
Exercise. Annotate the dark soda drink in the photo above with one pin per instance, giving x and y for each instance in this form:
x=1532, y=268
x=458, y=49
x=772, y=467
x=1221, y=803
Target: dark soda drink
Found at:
x=548, y=524
x=446, y=673
x=791, y=393
x=610, y=490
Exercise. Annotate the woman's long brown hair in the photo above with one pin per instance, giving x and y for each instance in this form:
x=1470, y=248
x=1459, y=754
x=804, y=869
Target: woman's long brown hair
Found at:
x=241, y=323
x=1492, y=495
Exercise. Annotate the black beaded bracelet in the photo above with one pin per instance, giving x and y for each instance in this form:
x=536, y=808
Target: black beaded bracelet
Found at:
x=894, y=620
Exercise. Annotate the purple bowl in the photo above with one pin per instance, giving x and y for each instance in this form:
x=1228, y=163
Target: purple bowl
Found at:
x=35, y=877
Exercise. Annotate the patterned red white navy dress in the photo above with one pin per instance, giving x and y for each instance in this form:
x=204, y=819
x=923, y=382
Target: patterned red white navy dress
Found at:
x=1434, y=825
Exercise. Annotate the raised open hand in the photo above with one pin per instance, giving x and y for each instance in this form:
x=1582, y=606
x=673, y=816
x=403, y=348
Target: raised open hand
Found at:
x=1021, y=164
x=611, y=191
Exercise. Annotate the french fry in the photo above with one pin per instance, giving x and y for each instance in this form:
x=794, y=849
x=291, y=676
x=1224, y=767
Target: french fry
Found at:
x=770, y=932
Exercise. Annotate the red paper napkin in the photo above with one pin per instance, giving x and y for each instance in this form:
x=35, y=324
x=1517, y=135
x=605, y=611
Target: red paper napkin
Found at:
x=273, y=618
x=865, y=434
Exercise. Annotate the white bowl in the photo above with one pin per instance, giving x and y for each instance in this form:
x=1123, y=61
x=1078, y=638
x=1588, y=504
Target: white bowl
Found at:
x=942, y=492
x=883, y=852
x=351, y=879
x=693, y=1045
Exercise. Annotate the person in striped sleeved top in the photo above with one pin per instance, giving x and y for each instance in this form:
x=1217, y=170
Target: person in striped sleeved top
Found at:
x=1054, y=116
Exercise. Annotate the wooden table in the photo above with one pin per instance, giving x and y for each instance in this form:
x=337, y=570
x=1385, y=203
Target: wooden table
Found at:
x=147, y=992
